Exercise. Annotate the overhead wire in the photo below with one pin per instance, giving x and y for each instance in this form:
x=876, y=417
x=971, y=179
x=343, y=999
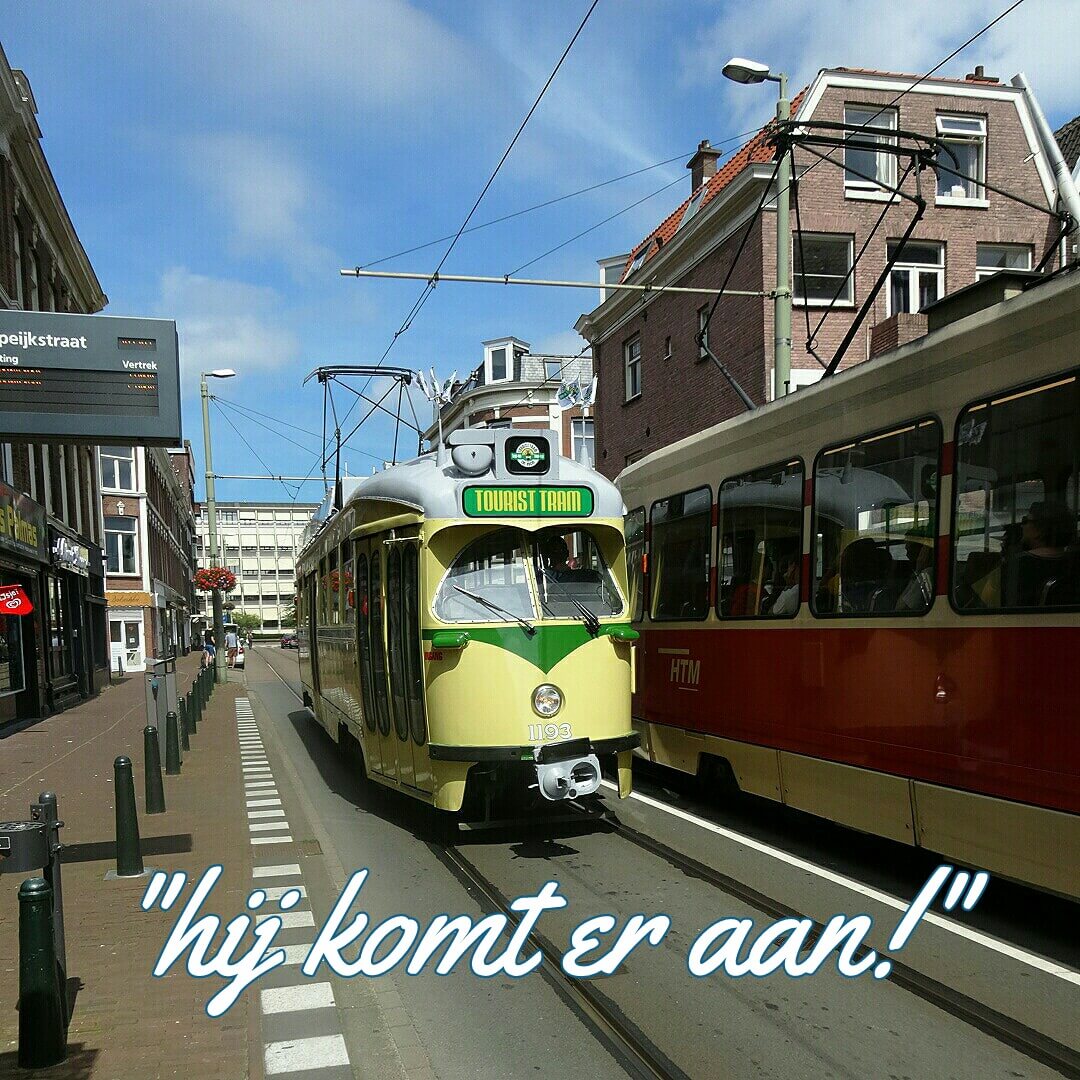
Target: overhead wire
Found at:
x=255, y=452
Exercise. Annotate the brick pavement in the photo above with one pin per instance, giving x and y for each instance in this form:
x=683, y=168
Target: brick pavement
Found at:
x=127, y=1024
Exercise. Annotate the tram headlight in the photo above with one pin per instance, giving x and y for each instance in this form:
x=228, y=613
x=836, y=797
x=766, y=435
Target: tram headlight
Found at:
x=547, y=700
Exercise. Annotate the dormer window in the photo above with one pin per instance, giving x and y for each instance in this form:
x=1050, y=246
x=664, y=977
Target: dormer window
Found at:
x=497, y=362
x=501, y=359
x=640, y=255
x=693, y=206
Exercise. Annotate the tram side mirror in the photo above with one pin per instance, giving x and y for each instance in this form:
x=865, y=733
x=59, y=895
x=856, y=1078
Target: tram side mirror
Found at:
x=449, y=639
x=622, y=633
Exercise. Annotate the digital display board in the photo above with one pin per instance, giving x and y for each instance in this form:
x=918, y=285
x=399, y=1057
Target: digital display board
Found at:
x=89, y=378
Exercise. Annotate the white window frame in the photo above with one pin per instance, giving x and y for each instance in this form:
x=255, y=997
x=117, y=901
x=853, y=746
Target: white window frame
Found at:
x=106, y=483
x=508, y=361
x=583, y=430
x=955, y=135
x=915, y=269
x=632, y=368
x=796, y=277
x=134, y=534
x=982, y=272
x=884, y=122
x=549, y=374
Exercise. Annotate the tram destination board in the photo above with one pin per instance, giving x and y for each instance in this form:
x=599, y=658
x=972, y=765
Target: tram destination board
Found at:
x=95, y=378
x=534, y=501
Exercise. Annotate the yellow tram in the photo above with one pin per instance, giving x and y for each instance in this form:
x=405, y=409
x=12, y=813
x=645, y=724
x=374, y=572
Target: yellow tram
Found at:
x=463, y=617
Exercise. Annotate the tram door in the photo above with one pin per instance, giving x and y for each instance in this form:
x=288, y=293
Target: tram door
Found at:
x=397, y=658
x=311, y=599
x=382, y=754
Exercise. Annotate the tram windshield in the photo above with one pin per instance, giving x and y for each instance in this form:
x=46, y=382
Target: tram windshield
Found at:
x=501, y=576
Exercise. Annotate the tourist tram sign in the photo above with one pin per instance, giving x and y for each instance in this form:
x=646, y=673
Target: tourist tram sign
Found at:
x=527, y=501
x=94, y=378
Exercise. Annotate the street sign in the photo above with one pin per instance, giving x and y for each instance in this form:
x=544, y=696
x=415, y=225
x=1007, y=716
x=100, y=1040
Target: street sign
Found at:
x=90, y=378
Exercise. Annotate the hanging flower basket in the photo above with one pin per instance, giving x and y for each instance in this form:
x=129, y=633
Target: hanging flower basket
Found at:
x=215, y=577
x=337, y=580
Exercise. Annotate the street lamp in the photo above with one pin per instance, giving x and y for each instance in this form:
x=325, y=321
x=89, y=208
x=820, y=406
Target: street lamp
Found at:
x=220, y=669
x=745, y=71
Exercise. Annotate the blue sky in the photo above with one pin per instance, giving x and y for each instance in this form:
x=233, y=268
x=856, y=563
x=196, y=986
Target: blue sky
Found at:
x=222, y=159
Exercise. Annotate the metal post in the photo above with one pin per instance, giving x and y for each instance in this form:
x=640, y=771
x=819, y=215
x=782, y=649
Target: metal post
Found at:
x=782, y=299
x=185, y=727
x=155, y=789
x=192, y=711
x=46, y=810
x=129, y=862
x=220, y=673
x=172, y=745
x=42, y=1014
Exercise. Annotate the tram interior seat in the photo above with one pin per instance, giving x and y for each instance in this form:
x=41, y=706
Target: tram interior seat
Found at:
x=868, y=577
x=1047, y=581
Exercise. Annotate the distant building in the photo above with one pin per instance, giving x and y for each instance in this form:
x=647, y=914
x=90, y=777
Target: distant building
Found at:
x=58, y=655
x=1068, y=140
x=657, y=385
x=515, y=387
x=258, y=542
x=149, y=524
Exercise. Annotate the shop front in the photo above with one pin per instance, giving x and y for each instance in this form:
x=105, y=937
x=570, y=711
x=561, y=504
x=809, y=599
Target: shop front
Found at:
x=24, y=554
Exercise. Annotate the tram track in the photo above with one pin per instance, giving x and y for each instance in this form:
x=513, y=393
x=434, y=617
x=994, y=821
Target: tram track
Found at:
x=637, y=1053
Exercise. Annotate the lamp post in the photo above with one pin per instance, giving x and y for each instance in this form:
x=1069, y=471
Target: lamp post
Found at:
x=220, y=670
x=750, y=71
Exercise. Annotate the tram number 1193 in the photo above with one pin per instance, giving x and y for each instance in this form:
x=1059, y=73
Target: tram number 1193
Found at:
x=550, y=732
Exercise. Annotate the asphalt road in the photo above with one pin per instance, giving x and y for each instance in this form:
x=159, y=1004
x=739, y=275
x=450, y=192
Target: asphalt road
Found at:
x=1003, y=978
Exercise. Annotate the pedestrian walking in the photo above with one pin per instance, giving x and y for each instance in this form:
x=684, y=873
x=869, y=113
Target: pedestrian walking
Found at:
x=232, y=645
x=208, y=651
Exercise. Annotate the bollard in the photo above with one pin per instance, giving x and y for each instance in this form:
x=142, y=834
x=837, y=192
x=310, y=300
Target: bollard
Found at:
x=46, y=810
x=42, y=1035
x=155, y=789
x=129, y=861
x=192, y=712
x=172, y=745
x=185, y=726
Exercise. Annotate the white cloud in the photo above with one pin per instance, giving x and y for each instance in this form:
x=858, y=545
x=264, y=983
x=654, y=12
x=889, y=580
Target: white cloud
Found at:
x=223, y=323
x=563, y=343
x=911, y=37
x=267, y=197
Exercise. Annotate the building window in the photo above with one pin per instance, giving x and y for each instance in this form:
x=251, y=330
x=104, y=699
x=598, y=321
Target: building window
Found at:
x=118, y=468
x=120, y=546
x=963, y=177
x=497, y=370
x=918, y=277
x=638, y=259
x=990, y=258
x=865, y=167
x=703, y=332
x=632, y=367
x=667, y=348
x=821, y=269
x=226, y=517
x=32, y=300
x=552, y=370
x=17, y=237
x=693, y=206
x=583, y=443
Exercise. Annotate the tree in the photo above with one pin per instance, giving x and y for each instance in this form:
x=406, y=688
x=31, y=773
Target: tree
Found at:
x=247, y=621
x=288, y=616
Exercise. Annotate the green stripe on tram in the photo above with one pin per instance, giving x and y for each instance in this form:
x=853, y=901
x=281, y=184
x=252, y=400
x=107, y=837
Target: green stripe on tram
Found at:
x=546, y=648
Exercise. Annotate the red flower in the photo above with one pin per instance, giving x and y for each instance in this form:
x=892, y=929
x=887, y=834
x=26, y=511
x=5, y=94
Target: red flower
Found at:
x=215, y=577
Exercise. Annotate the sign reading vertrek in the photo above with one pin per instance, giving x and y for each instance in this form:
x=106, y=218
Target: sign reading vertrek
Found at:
x=89, y=378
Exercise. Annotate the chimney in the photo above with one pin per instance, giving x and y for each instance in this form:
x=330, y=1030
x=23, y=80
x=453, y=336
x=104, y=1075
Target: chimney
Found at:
x=979, y=75
x=702, y=165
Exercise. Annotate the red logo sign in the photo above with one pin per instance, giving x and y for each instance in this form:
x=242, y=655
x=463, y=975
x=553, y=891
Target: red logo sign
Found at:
x=14, y=601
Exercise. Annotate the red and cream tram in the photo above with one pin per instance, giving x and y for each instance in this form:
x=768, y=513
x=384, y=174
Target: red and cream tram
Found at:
x=864, y=600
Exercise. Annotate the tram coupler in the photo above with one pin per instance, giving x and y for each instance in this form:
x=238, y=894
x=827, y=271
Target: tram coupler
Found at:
x=567, y=770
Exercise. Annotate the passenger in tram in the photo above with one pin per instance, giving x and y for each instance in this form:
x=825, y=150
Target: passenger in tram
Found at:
x=918, y=593
x=865, y=576
x=556, y=556
x=1046, y=572
x=784, y=598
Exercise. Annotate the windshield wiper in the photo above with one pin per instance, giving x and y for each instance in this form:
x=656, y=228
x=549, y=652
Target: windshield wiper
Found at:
x=492, y=606
x=589, y=618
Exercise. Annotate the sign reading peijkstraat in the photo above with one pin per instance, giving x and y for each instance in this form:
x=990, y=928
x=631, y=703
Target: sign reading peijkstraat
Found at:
x=95, y=378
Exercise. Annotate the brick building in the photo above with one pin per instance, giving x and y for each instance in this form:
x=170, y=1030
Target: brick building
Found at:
x=514, y=386
x=57, y=655
x=655, y=383
x=149, y=521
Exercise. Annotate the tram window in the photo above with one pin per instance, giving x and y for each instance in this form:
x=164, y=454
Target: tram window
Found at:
x=681, y=527
x=378, y=650
x=1016, y=501
x=875, y=523
x=394, y=641
x=414, y=668
x=570, y=570
x=321, y=593
x=492, y=566
x=363, y=638
x=635, y=563
x=760, y=535
x=348, y=596
x=333, y=590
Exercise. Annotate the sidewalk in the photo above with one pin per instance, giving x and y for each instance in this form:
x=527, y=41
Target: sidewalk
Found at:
x=127, y=1024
